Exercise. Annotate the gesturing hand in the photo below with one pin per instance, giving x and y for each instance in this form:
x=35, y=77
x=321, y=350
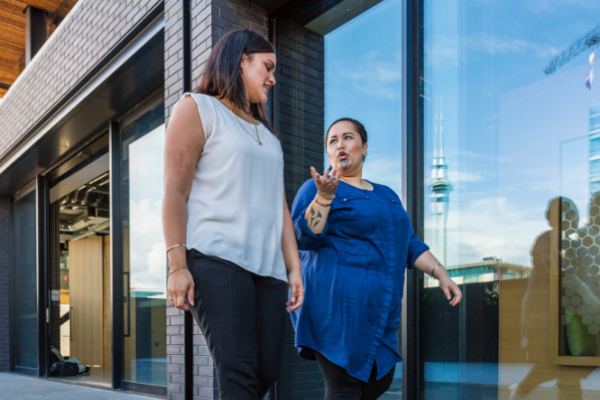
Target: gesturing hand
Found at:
x=326, y=184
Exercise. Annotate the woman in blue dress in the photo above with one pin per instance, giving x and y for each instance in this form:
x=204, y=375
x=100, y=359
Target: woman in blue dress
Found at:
x=356, y=241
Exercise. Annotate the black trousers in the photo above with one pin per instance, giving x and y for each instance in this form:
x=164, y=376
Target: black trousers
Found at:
x=243, y=318
x=341, y=386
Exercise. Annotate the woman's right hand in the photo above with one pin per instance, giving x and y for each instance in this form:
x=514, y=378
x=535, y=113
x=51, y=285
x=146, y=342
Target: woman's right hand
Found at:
x=326, y=184
x=179, y=285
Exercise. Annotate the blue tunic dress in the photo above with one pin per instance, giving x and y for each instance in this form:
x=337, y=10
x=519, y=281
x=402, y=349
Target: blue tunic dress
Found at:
x=353, y=276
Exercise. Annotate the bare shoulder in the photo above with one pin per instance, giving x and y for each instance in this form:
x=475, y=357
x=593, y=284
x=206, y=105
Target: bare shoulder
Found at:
x=185, y=123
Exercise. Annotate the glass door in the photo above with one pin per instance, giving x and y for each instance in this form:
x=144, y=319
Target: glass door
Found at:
x=144, y=261
x=80, y=273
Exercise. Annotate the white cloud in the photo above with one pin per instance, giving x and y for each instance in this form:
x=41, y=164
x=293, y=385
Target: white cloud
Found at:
x=146, y=217
x=491, y=226
x=150, y=273
x=370, y=76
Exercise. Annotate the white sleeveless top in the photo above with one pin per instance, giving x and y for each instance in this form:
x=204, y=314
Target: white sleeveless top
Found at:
x=235, y=208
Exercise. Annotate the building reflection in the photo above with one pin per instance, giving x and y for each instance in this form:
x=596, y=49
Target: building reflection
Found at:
x=561, y=245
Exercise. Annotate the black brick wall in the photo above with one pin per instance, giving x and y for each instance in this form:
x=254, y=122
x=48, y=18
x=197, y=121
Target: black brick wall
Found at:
x=300, y=101
x=4, y=284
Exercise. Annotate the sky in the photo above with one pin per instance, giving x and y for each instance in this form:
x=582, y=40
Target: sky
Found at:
x=514, y=137
x=147, y=244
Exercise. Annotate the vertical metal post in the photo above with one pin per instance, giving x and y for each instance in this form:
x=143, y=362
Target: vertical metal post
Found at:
x=35, y=31
x=187, y=87
x=116, y=253
x=42, y=257
x=413, y=181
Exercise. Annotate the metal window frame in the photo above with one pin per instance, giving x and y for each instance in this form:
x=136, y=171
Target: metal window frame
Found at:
x=116, y=255
x=43, y=258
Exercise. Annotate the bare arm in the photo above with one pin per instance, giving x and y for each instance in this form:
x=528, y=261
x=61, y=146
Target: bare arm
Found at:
x=289, y=248
x=426, y=263
x=316, y=214
x=183, y=146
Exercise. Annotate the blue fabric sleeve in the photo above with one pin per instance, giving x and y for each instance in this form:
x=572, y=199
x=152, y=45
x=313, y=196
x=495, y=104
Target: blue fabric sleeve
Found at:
x=307, y=239
x=415, y=248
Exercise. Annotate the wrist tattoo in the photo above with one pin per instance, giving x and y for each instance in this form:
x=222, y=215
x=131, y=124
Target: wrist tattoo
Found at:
x=314, y=219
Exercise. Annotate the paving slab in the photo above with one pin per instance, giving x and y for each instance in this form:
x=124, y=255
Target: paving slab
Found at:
x=17, y=387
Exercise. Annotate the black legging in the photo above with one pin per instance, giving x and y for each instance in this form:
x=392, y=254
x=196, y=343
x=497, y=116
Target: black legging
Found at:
x=243, y=318
x=341, y=386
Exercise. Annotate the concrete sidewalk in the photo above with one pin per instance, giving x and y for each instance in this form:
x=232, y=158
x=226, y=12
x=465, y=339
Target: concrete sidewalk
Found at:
x=17, y=387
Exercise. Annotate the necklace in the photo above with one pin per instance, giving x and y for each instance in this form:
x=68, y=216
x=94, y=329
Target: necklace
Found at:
x=238, y=119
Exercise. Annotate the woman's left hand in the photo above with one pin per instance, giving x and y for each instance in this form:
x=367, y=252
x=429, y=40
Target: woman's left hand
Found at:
x=448, y=286
x=296, y=291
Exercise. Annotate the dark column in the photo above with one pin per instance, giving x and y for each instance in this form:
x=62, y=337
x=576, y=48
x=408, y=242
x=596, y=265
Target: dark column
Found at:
x=4, y=284
x=116, y=245
x=35, y=31
x=42, y=278
x=413, y=179
x=298, y=110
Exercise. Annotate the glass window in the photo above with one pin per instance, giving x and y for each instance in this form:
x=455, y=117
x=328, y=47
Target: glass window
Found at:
x=363, y=80
x=510, y=135
x=144, y=262
x=25, y=338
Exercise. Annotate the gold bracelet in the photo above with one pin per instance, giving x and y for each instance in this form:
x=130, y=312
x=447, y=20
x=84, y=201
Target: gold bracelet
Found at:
x=433, y=270
x=174, y=246
x=177, y=269
x=326, y=197
x=322, y=204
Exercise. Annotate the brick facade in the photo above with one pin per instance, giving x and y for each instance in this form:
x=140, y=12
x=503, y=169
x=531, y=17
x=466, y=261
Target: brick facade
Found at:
x=300, y=98
x=88, y=33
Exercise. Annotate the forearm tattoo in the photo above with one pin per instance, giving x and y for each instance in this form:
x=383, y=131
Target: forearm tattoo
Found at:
x=314, y=218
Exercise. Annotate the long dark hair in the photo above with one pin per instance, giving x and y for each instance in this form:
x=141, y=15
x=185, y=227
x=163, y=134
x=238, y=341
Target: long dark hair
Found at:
x=221, y=77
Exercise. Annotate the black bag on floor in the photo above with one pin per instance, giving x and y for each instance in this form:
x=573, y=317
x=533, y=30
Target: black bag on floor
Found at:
x=65, y=369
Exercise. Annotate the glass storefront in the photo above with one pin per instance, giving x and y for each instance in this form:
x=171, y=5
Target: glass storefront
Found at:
x=511, y=200
x=144, y=263
x=25, y=344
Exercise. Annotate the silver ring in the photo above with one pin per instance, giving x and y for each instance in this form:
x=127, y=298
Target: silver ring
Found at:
x=171, y=299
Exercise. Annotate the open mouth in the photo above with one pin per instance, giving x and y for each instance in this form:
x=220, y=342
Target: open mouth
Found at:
x=342, y=155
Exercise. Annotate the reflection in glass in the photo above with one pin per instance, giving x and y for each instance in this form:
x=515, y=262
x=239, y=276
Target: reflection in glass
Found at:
x=520, y=148
x=144, y=261
x=25, y=284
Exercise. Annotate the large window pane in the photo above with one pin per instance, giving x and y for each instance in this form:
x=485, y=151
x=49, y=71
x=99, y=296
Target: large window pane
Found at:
x=144, y=251
x=25, y=279
x=363, y=80
x=510, y=197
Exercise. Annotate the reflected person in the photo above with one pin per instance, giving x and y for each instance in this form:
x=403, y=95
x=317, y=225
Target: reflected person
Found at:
x=356, y=241
x=535, y=308
x=225, y=203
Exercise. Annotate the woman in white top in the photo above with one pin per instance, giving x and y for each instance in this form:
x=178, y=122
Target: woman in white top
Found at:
x=230, y=240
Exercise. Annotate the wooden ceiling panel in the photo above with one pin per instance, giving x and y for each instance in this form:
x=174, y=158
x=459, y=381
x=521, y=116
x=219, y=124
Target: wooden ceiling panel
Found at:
x=12, y=31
